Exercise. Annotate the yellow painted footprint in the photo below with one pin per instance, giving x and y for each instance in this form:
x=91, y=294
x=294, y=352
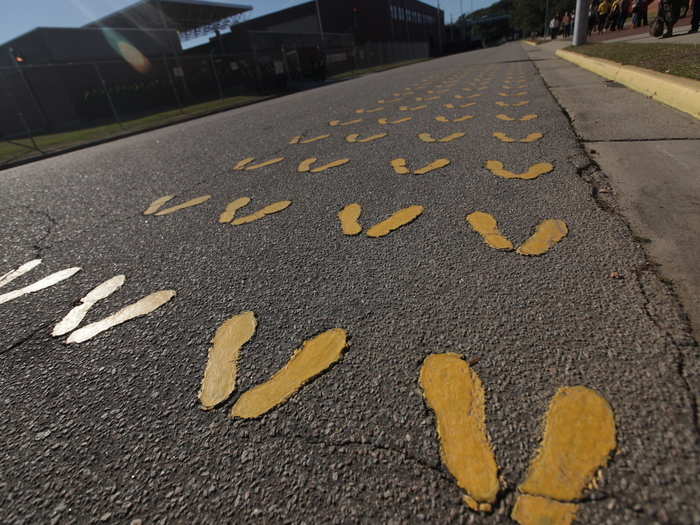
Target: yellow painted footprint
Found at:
x=415, y=108
x=547, y=234
x=300, y=139
x=513, y=105
x=230, y=212
x=385, y=121
x=347, y=123
x=219, y=380
x=456, y=119
x=400, y=166
x=456, y=395
x=532, y=137
x=579, y=438
x=305, y=165
x=388, y=101
x=275, y=207
x=156, y=205
x=496, y=167
x=519, y=94
x=245, y=164
x=349, y=220
x=427, y=137
x=355, y=137
x=374, y=110
x=524, y=118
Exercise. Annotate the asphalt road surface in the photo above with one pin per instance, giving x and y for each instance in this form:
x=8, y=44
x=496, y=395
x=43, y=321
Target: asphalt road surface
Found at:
x=111, y=429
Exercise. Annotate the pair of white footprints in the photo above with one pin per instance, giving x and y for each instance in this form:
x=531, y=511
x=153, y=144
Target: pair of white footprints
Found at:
x=73, y=319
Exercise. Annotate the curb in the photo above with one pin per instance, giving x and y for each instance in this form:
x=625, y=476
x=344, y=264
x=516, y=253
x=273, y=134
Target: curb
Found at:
x=529, y=43
x=680, y=93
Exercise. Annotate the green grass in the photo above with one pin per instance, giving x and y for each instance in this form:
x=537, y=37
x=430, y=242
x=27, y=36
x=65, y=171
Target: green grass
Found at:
x=375, y=69
x=682, y=60
x=22, y=149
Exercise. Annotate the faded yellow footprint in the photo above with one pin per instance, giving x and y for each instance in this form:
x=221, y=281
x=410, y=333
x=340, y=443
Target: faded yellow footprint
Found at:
x=373, y=110
x=230, y=212
x=349, y=219
x=524, y=118
x=400, y=166
x=245, y=164
x=305, y=165
x=496, y=167
x=532, y=137
x=398, y=219
x=427, y=137
x=547, y=234
x=513, y=105
x=456, y=119
x=158, y=204
x=415, y=108
x=219, y=379
x=315, y=356
x=300, y=139
x=384, y=121
x=388, y=101
x=275, y=207
x=519, y=94
x=456, y=395
x=347, y=123
x=355, y=137
x=579, y=438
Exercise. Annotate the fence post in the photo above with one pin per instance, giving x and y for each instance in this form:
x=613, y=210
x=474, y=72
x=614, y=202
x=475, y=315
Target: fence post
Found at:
x=109, y=97
x=172, y=83
x=24, y=120
x=216, y=77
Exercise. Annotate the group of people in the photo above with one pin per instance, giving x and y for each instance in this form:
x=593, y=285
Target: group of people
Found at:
x=611, y=15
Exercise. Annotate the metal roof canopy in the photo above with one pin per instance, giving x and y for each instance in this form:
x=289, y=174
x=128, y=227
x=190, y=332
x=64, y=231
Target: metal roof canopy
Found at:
x=191, y=17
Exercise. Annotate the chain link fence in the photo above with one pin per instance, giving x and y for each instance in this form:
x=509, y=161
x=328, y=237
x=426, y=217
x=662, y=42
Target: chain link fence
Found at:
x=47, y=108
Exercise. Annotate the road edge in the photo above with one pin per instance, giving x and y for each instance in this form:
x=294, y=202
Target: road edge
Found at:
x=680, y=93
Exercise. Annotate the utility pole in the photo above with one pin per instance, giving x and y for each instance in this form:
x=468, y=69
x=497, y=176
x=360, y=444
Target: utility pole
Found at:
x=320, y=22
x=581, y=22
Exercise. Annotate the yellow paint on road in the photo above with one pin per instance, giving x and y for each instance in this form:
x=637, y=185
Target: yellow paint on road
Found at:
x=348, y=123
x=388, y=101
x=230, y=212
x=455, y=394
x=533, y=510
x=427, y=137
x=485, y=225
x=496, y=167
x=435, y=165
x=514, y=105
x=140, y=308
x=305, y=165
x=219, y=379
x=399, y=166
x=415, y=108
x=330, y=165
x=298, y=139
x=349, y=219
x=458, y=96
x=547, y=234
x=316, y=355
x=192, y=202
x=579, y=437
x=355, y=137
x=264, y=164
x=457, y=119
x=267, y=210
x=157, y=204
x=532, y=137
x=524, y=118
x=243, y=163
x=398, y=219
x=374, y=110
x=384, y=121
x=474, y=95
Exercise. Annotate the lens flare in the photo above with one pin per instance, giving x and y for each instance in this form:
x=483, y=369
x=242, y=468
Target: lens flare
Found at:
x=127, y=51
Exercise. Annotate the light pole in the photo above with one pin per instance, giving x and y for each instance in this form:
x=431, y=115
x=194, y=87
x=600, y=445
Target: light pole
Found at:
x=320, y=22
x=581, y=22
x=546, y=8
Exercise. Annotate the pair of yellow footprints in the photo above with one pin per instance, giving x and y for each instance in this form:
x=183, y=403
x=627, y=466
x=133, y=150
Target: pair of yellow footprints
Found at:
x=349, y=218
x=548, y=233
x=219, y=381
x=229, y=214
x=579, y=437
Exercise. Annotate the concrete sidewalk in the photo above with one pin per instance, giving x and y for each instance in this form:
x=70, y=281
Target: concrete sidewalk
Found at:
x=649, y=153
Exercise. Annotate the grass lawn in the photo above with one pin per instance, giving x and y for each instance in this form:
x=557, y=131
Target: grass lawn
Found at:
x=21, y=149
x=682, y=60
x=375, y=69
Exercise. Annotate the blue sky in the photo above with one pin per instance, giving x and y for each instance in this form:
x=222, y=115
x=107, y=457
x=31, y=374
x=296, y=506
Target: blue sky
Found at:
x=21, y=16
